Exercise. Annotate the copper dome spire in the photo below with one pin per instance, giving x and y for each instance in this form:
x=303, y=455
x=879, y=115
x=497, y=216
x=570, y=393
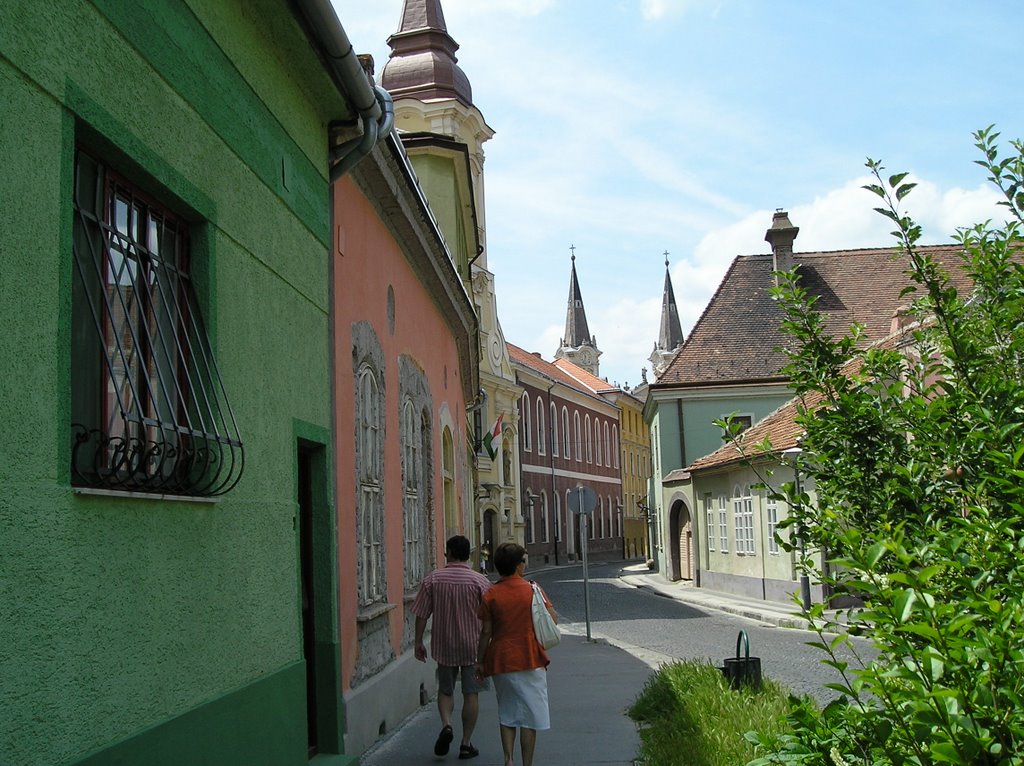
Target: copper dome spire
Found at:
x=422, y=64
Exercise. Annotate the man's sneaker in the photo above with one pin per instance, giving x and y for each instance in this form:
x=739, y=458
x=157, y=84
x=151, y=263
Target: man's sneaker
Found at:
x=444, y=741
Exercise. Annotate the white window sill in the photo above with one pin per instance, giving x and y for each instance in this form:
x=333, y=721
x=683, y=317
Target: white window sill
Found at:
x=144, y=495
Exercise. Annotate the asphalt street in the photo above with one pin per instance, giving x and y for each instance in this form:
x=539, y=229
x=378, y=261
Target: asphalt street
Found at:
x=668, y=628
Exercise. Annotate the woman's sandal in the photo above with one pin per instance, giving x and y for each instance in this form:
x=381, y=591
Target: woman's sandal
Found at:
x=467, y=751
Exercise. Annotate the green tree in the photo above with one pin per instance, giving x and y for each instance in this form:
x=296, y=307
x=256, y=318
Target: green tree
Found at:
x=916, y=448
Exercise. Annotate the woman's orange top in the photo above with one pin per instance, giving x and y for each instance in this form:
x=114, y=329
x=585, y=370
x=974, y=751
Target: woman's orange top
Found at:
x=513, y=646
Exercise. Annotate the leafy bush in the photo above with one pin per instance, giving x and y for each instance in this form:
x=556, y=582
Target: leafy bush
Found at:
x=688, y=716
x=916, y=453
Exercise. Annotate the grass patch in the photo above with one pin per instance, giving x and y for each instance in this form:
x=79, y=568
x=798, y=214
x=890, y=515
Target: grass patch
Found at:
x=688, y=716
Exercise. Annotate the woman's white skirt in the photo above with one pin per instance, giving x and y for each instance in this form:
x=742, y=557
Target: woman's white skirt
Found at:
x=523, y=699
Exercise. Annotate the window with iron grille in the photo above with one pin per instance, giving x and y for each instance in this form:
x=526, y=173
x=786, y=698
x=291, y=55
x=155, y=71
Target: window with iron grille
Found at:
x=149, y=412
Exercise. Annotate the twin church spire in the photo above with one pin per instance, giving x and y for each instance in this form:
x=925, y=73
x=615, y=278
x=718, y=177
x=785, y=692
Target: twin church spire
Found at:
x=580, y=347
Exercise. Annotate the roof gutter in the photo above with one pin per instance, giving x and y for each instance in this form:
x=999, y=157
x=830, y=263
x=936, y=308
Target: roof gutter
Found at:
x=372, y=103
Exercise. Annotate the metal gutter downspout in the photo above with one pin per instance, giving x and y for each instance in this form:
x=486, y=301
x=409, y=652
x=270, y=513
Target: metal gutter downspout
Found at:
x=372, y=103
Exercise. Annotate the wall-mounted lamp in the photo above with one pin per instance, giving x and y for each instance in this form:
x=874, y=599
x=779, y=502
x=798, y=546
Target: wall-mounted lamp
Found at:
x=486, y=490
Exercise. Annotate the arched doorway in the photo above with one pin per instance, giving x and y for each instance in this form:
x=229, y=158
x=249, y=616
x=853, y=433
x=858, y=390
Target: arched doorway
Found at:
x=487, y=534
x=680, y=542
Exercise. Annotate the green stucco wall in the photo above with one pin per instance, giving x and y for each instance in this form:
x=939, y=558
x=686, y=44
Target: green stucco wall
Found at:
x=439, y=183
x=703, y=437
x=123, y=618
x=668, y=449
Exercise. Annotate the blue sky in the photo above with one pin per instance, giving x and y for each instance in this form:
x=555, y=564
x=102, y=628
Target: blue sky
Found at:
x=632, y=127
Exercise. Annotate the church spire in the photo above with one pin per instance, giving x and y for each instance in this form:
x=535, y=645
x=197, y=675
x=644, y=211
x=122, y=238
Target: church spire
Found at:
x=578, y=345
x=670, y=335
x=422, y=64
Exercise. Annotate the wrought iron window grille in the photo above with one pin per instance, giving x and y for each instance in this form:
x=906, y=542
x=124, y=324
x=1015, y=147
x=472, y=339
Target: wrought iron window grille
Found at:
x=149, y=408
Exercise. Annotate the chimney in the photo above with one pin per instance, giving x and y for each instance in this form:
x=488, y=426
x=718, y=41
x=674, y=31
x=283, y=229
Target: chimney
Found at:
x=780, y=236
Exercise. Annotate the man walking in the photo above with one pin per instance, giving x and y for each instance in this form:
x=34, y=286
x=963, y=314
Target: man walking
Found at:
x=452, y=596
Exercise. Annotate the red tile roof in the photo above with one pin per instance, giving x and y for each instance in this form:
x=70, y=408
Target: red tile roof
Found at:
x=780, y=427
x=536, y=363
x=736, y=337
x=594, y=383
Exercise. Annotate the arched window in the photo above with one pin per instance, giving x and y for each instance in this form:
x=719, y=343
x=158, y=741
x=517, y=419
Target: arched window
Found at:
x=540, y=427
x=448, y=476
x=530, y=515
x=597, y=441
x=566, y=451
x=370, y=467
x=589, y=435
x=578, y=441
x=554, y=429
x=571, y=528
x=543, y=520
x=525, y=425
x=608, y=445
x=557, y=525
x=414, y=497
x=615, y=445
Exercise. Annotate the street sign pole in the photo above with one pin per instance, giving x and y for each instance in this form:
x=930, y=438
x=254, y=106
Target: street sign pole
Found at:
x=584, y=545
x=582, y=502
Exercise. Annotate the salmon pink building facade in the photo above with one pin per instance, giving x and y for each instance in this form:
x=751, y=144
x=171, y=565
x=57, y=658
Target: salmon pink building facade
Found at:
x=405, y=368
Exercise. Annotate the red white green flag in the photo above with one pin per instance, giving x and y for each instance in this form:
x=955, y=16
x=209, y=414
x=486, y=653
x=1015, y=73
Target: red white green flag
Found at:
x=492, y=442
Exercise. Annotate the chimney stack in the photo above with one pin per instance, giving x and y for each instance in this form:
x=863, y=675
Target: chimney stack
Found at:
x=780, y=236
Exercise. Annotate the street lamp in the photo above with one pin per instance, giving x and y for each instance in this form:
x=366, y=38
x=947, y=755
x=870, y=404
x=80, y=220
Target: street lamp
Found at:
x=792, y=457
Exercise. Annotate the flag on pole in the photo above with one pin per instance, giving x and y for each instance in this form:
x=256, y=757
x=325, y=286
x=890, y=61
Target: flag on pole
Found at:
x=492, y=442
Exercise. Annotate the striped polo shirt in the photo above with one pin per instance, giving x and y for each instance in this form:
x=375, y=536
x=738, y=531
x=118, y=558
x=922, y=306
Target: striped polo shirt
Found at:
x=452, y=597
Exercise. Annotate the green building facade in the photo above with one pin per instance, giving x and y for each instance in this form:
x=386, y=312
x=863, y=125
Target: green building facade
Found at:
x=152, y=602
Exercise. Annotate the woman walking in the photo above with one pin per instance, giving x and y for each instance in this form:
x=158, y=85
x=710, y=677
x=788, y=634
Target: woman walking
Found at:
x=510, y=653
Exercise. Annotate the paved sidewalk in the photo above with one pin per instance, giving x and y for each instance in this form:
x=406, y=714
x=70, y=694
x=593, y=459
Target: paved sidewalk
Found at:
x=775, y=613
x=590, y=685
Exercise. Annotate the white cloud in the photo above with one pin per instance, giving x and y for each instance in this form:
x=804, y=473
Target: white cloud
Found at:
x=837, y=220
x=653, y=10
x=469, y=8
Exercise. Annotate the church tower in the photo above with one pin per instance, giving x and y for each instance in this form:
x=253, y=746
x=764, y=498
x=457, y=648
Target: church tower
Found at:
x=578, y=345
x=442, y=129
x=443, y=133
x=670, y=336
